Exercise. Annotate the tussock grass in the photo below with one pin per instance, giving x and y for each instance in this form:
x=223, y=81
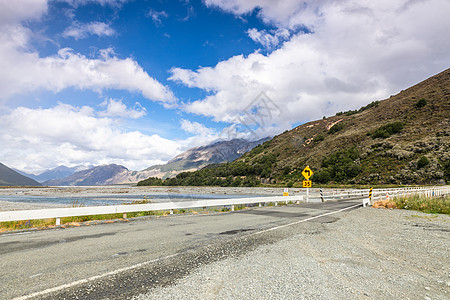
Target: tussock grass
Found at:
x=433, y=205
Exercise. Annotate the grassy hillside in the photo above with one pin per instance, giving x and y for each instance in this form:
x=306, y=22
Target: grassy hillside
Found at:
x=401, y=140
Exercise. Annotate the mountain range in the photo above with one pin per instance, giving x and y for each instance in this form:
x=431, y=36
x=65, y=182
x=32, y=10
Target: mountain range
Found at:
x=55, y=173
x=191, y=160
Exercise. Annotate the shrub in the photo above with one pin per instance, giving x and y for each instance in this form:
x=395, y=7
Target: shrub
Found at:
x=335, y=128
x=387, y=130
x=339, y=167
x=151, y=181
x=446, y=166
x=319, y=138
x=421, y=103
x=423, y=161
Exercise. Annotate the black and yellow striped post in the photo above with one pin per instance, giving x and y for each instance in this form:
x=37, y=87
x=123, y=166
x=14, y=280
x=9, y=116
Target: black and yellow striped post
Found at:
x=370, y=194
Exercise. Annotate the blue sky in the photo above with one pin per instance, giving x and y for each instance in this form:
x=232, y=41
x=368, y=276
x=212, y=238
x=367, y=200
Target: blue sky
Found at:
x=138, y=82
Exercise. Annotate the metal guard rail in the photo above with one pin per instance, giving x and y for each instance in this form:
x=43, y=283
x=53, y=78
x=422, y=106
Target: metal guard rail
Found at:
x=58, y=213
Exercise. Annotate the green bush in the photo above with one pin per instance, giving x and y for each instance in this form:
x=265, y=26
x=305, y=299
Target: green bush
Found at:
x=423, y=161
x=446, y=166
x=335, y=128
x=319, y=138
x=339, y=167
x=387, y=130
x=352, y=112
x=151, y=181
x=421, y=103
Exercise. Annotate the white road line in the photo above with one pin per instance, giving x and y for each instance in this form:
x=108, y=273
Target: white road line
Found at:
x=72, y=284
x=305, y=220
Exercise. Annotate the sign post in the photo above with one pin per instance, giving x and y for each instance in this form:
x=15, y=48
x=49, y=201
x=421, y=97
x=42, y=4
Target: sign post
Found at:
x=307, y=173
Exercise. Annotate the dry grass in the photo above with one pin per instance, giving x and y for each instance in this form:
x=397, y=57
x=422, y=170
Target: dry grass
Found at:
x=434, y=205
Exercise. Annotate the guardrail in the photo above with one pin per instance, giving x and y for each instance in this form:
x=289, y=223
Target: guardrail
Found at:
x=58, y=213
x=385, y=194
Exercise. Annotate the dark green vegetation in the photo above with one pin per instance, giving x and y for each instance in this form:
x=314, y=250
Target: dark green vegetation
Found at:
x=387, y=130
x=423, y=161
x=380, y=144
x=353, y=112
x=9, y=177
x=421, y=103
x=335, y=128
x=339, y=167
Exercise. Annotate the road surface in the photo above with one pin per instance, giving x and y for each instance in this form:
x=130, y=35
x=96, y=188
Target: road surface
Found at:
x=126, y=259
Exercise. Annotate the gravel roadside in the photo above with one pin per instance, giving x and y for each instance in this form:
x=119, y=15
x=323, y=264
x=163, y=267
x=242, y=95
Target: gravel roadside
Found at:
x=366, y=254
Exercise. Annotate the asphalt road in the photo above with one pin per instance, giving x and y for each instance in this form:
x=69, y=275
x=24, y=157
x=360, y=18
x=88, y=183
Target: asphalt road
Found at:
x=122, y=260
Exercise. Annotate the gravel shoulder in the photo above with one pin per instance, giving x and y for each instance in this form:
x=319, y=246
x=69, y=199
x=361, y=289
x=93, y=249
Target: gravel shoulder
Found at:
x=366, y=254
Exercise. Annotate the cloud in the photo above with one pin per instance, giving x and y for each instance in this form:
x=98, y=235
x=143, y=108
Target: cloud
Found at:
x=115, y=108
x=195, y=128
x=356, y=52
x=284, y=14
x=81, y=31
x=111, y=3
x=13, y=12
x=35, y=139
x=268, y=40
x=23, y=70
x=157, y=16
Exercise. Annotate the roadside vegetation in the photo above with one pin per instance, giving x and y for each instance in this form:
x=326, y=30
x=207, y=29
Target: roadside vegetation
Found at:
x=432, y=205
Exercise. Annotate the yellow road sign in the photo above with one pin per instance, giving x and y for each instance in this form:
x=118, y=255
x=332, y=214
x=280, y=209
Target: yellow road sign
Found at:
x=307, y=173
x=307, y=183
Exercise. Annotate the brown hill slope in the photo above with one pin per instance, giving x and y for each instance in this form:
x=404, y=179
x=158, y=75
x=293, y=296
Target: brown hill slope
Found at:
x=383, y=159
x=401, y=140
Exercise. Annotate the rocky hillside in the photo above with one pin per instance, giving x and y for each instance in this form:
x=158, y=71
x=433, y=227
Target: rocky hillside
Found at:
x=401, y=140
x=100, y=175
x=9, y=177
x=193, y=159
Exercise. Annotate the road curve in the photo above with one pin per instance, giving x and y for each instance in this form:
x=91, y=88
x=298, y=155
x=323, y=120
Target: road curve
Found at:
x=122, y=260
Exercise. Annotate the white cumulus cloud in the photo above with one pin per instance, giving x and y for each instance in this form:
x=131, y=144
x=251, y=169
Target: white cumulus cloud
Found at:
x=23, y=69
x=356, y=52
x=36, y=139
x=116, y=108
